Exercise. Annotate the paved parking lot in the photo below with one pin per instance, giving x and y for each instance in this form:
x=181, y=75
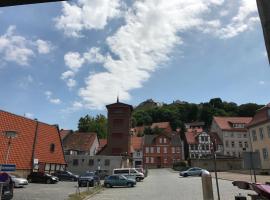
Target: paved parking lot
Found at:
x=36, y=191
x=163, y=184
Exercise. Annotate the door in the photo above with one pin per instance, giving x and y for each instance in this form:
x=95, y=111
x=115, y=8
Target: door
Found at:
x=158, y=162
x=122, y=181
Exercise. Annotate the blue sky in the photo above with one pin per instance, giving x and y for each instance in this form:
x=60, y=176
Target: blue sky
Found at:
x=60, y=61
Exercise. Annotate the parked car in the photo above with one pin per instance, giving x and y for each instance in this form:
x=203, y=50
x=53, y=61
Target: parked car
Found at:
x=65, y=176
x=194, y=171
x=119, y=180
x=102, y=174
x=129, y=173
x=7, y=190
x=88, y=178
x=18, y=181
x=41, y=177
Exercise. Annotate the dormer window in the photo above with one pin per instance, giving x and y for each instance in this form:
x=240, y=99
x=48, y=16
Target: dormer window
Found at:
x=238, y=125
x=52, y=147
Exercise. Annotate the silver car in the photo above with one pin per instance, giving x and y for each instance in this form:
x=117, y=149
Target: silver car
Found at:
x=18, y=181
x=194, y=171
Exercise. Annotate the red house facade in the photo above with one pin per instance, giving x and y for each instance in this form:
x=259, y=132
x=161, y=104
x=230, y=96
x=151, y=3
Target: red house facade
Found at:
x=161, y=151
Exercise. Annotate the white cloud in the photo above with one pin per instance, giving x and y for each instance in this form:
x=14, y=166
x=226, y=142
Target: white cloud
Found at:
x=29, y=115
x=25, y=81
x=15, y=48
x=152, y=29
x=262, y=82
x=49, y=94
x=143, y=44
x=86, y=15
x=18, y=49
x=44, y=47
x=73, y=60
x=245, y=19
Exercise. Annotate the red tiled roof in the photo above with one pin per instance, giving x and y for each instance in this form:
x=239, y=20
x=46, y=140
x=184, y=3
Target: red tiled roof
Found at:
x=21, y=150
x=79, y=141
x=224, y=122
x=192, y=134
x=102, y=142
x=161, y=125
x=64, y=133
x=261, y=116
x=136, y=142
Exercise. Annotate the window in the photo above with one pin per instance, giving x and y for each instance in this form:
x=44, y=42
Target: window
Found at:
x=138, y=153
x=268, y=131
x=177, y=149
x=160, y=140
x=173, y=149
x=164, y=149
x=152, y=149
x=191, y=147
x=206, y=138
x=202, y=138
x=195, y=146
x=232, y=135
x=226, y=135
x=246, y=144
x=147, y=160
x=107, y=162
x=254, y=135
x=158, y=149
x=227, y=143
x=240, y=144
x=52, y=147
x=146, y=149
x=165, y=140
x=152, y=160
x=232, y=144
x=91, y=162
x=165, y=160
x=75, y=162
x=245, y=135
x=261, y=133
x=203, y=147
x=228, y=153
x=265, y=153
x=239, y=135
x=207, y=147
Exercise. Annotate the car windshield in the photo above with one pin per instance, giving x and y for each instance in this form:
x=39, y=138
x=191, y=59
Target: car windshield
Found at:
x=88, y=174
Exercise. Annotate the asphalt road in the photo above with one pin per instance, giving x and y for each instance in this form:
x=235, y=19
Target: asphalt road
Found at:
x=163, y=184
x=36, y=191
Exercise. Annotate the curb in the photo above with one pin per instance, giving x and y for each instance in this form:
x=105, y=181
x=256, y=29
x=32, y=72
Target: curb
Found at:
x=94, y=193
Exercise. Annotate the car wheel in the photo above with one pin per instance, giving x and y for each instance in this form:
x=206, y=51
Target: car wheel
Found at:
x=138, y=179
x=29, y=180
x=130, y=185
x=48, y=181
x=107, y=185
x=185, y=175
x=79, y=185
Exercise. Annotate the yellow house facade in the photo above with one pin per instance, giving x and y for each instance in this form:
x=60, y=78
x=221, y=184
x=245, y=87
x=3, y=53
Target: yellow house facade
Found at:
x=259, y=132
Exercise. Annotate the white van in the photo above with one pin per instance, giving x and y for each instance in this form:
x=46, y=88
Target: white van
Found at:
x=129, y=172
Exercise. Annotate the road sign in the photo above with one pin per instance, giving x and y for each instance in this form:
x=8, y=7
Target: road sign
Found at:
x=7, y=167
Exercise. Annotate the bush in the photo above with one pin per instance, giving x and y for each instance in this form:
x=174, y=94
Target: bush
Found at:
x=180, y=166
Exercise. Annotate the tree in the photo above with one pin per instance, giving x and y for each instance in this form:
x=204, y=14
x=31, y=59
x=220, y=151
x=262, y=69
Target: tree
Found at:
x=248, y=110
x=96, y=124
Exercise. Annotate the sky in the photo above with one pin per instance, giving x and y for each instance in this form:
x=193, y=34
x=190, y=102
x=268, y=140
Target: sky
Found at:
x=60, y=61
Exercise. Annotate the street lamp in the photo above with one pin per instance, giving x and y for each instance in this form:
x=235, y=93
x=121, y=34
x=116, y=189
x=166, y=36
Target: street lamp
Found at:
x=9, y=135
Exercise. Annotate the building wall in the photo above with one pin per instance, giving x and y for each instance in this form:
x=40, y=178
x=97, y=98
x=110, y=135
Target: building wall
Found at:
x=161, y=154
x=229, y=136
x=137, y=157
x=240, y=140
x=119, y=125
x=94, y=147
x=79, y=164
x=222, y=164
x=203, y=148
x=261, y=144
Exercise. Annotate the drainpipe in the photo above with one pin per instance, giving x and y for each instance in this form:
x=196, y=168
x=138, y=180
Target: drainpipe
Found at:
x=34, y=144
